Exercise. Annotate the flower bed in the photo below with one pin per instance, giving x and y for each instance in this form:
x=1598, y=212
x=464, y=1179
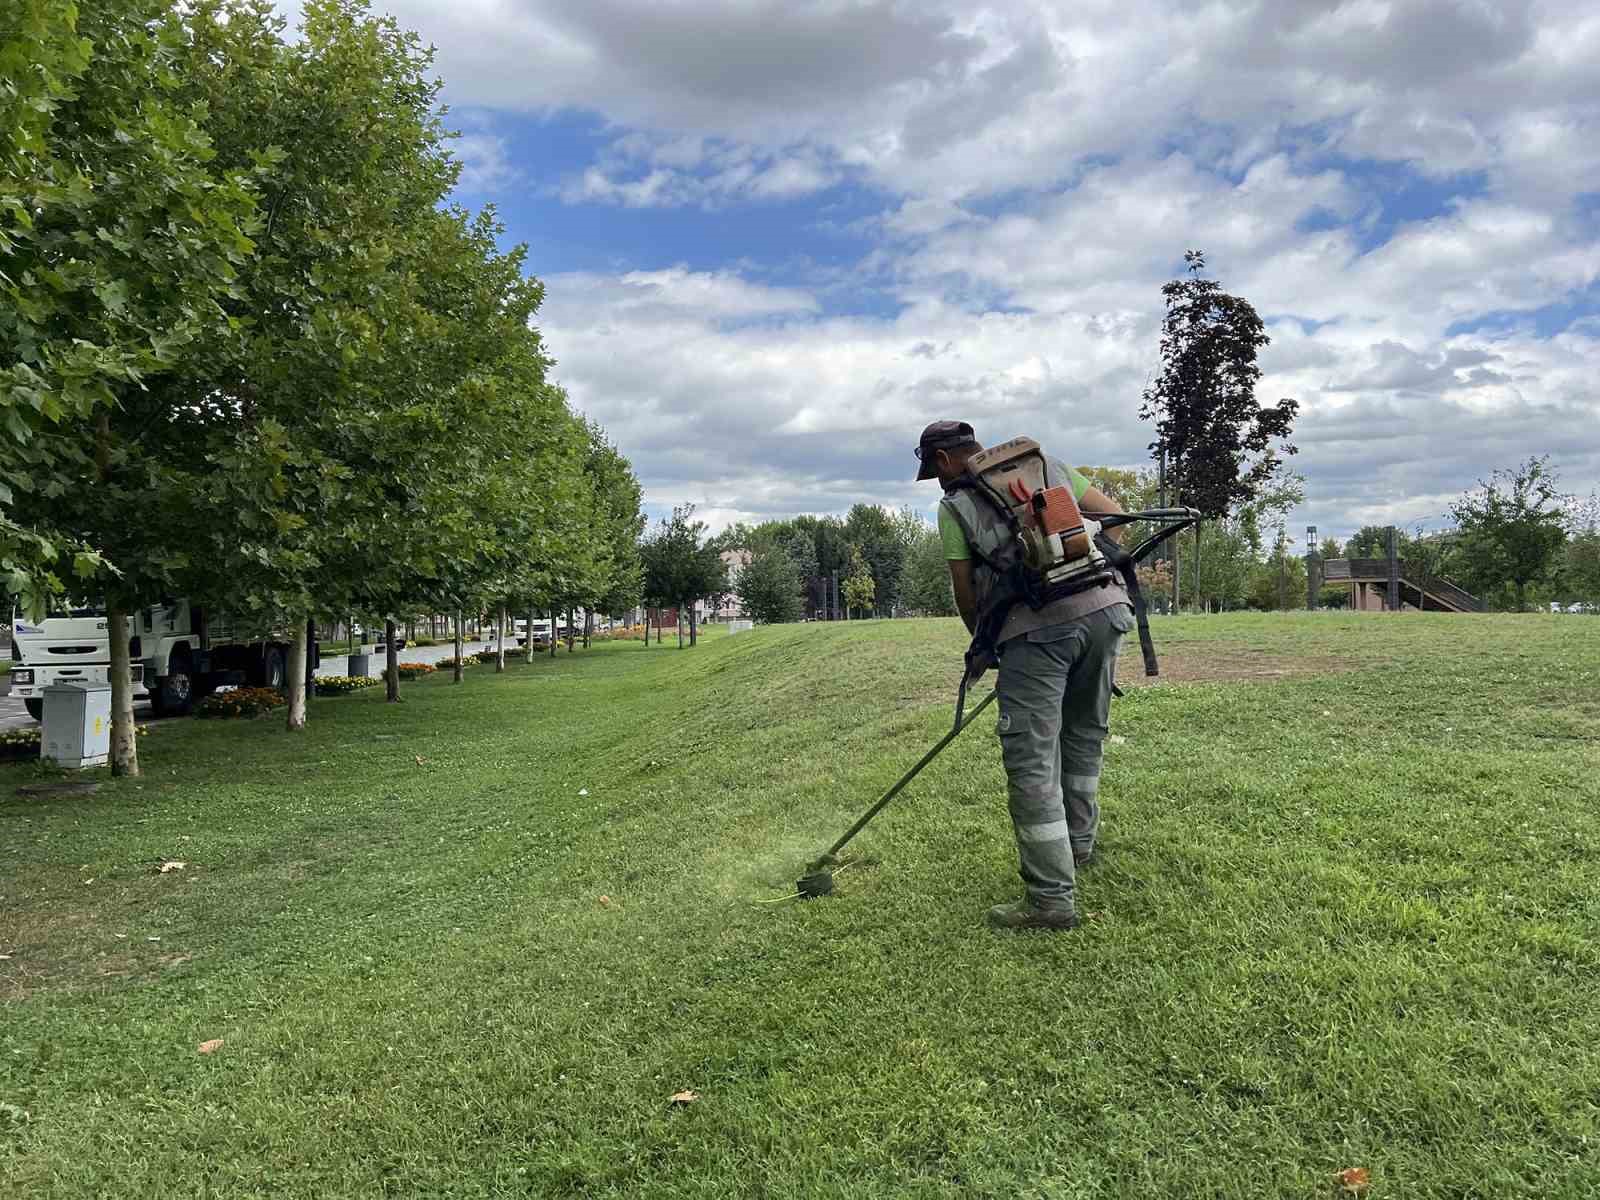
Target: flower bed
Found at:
x=240, y=702
x=25, y=742
x=20, y=743
x=484, y=659
x=343, y=685
x=415, y=670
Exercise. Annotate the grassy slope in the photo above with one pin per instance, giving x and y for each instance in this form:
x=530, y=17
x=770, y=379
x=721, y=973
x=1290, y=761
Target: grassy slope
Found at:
x=1345, y=920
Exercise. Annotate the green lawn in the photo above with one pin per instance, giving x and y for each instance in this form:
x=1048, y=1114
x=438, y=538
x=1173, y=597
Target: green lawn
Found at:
x=1348, y=915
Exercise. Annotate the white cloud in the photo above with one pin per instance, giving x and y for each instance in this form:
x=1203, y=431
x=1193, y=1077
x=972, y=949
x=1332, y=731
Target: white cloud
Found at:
x=485, y=165
x=638, y=171
x=1041, y=167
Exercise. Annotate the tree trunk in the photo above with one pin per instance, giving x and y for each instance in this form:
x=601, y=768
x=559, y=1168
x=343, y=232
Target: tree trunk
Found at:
x=552, y=631
x=1199, y=579
x=311, y=652
x=124, y=738
x=1522, y=596
x=500, y=644
x=461, y=647
x=391, y=669
x=588, y=627
x=678, y=612
x=692, y=626
x=296, y=670
x=527, y=649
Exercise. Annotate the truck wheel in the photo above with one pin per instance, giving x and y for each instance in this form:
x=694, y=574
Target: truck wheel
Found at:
x=273, y=674
x=35, y=709
x=173, y=694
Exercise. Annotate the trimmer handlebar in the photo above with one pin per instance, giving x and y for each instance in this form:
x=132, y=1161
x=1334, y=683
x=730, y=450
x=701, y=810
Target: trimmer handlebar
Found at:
x=1112, y=520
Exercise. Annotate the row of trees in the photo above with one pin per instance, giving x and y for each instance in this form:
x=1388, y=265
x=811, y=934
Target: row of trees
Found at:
x=885, y=562
x=253, y=354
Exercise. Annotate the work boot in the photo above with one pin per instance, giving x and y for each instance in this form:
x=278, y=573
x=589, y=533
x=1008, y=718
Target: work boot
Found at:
x=1023, y=915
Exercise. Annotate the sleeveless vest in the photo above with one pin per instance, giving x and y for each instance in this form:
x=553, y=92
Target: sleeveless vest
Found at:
x=995, y=550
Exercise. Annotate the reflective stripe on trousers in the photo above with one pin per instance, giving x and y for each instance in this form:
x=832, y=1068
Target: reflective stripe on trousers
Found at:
x=1055, y=702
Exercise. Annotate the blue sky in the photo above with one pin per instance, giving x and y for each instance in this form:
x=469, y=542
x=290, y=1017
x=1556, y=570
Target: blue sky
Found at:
x=779, y=236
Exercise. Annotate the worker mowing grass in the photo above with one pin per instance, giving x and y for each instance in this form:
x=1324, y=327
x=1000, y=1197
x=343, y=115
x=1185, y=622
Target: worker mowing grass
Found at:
x=1056, y=660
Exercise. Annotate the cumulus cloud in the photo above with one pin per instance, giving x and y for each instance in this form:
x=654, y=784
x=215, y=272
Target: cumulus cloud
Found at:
x=1406, y=191
x=638, y=171
x=807, y=413
x=485, y=164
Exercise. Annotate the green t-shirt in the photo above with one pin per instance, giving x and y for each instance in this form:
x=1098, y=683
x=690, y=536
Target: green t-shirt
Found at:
x=955, y=542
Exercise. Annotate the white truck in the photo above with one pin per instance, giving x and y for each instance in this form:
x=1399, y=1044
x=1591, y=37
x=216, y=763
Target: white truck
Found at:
x=179, y=653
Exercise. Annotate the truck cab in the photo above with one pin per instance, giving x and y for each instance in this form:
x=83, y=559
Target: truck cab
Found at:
x=179, y=653
x=70, y=645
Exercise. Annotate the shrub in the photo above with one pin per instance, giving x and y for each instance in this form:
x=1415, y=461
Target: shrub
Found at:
x=415, y=670
x=25, y=742
x=20, y=743
x=241, y=702
x=343, y=685
x=621, y=633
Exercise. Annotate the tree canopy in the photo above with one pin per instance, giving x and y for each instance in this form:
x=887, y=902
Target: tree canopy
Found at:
x=1513, y=526
x=253, y=351
x=1221, y=444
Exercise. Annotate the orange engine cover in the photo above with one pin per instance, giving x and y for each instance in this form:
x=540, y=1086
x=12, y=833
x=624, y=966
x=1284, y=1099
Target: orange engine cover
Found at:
x=1060, y=513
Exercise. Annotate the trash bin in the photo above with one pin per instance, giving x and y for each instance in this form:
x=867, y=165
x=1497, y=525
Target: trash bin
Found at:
x=77, y=725
x=358, y=664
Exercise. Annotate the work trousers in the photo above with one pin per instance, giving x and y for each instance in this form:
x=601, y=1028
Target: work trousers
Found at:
x=1055, y=702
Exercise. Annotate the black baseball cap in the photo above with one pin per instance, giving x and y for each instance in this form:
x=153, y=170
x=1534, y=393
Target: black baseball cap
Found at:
x=941, y=435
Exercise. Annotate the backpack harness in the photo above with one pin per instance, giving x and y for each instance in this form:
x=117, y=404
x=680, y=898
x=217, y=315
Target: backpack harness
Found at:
x=1057, y=551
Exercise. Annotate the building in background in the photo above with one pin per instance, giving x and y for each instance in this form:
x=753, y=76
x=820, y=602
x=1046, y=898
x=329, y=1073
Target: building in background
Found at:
x=730, y=604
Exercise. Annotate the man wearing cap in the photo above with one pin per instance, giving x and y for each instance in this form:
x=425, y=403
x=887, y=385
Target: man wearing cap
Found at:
x=1056, y=668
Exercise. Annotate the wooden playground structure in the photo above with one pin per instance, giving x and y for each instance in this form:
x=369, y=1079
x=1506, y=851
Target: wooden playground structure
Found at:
x=1383, y=585
x=1374, y=589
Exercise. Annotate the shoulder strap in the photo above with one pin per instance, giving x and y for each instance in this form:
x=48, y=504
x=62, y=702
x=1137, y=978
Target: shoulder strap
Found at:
x=968, y=483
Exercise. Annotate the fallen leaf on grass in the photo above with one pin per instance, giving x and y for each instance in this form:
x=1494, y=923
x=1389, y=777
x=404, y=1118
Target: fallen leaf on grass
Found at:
x=211, y=1047
x=1355, y=1179
x=605, y=901
x=685, y=1097
x=172, y=864
x=1116, y=739
x=583, y=791
x=420, y=759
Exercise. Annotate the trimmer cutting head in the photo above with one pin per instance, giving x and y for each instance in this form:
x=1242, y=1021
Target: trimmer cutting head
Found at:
x=818, y=879
x=818, y=883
